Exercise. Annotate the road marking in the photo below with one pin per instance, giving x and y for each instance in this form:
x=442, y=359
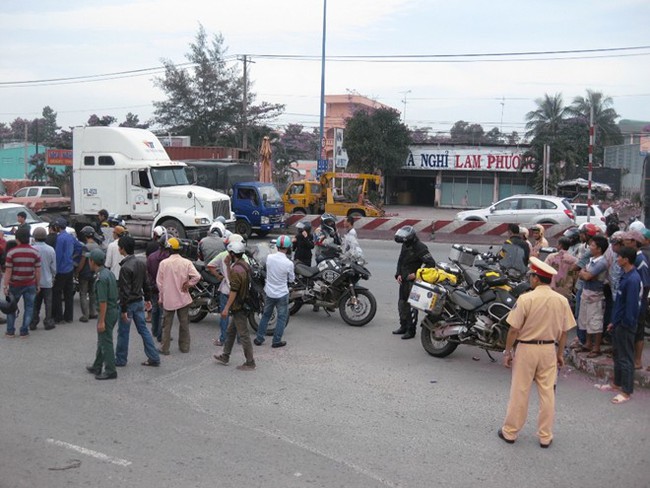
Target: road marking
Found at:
x=89, y=452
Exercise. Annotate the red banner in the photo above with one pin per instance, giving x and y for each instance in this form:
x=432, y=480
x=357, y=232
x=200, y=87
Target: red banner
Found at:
x=59, y=157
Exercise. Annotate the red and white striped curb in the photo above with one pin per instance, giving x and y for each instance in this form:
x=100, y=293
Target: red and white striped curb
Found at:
x=462, y=227
x=384, y=226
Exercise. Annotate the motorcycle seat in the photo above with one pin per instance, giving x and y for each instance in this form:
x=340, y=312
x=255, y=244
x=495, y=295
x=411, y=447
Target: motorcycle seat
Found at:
x=465, y=300
x=306, y=271
x=209, y=277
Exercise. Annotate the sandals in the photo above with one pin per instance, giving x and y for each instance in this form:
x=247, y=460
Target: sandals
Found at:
x=620, y=398
x=594, y=354
x=606, y=387
x=149, y=362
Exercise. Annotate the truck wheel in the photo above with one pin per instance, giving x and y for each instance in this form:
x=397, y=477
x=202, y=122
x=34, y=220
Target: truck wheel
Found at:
x=174, y=228
x=243, y=228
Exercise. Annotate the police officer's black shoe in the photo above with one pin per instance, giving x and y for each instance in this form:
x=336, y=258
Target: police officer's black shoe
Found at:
x=402, y=330
x=106, y=376
x=410, y=334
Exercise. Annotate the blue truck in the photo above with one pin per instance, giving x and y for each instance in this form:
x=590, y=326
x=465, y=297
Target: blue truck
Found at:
x=258, y=207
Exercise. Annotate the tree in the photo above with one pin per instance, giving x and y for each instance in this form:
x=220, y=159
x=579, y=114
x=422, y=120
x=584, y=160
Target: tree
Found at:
x=607, y=132
x=377, y=140
x=133, y=120
x=49, y=128
x=546, y=119
x=205, y=101
x=105, y=120
x=292, y=145
x=38, y=171
x=465, y=133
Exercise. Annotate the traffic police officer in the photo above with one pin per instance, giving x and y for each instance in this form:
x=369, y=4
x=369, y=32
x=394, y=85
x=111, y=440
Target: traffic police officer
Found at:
x=538, y=322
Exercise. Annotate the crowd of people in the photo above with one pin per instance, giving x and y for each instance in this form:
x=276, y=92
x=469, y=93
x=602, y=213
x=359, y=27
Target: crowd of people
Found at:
x=117, y=288
x=590, y=271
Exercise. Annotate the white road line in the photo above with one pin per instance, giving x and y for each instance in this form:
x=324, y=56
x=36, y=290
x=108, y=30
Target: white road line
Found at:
x=89, y=452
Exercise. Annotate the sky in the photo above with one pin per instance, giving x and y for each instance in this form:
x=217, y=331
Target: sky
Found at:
x=47, y=39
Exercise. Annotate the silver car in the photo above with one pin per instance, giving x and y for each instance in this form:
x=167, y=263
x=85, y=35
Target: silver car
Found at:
x=524, y=209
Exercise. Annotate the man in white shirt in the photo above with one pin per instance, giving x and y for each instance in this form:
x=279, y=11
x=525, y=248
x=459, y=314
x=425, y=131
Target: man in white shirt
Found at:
x=113, y=256
x=279, y=272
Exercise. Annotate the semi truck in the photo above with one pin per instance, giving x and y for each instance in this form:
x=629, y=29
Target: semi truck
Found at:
x=127, y=172
x=257, y=206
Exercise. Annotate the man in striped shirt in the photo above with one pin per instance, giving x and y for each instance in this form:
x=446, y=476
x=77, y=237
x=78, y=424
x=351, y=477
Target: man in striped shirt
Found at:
x=22, y=279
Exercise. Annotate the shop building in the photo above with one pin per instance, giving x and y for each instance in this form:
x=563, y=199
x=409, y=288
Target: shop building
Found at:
x=461, y=176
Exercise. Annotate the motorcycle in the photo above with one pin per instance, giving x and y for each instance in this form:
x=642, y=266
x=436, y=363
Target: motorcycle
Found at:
x=332, y=284
x=472, y=312
x=205, y=294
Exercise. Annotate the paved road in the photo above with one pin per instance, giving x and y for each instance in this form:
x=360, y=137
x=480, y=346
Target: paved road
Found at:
x=339, y=406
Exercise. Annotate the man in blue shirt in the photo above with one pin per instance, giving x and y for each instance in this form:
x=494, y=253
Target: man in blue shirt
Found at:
x=67, y=246
x=623, y=327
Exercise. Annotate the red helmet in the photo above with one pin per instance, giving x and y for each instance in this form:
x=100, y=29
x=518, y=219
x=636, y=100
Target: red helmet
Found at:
x=590, y=229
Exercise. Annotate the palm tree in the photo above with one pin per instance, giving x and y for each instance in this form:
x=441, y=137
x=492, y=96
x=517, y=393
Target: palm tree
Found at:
x=607, y=131
x=546, y=120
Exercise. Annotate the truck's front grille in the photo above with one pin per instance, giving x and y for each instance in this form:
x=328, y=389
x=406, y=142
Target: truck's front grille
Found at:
x=221, y=208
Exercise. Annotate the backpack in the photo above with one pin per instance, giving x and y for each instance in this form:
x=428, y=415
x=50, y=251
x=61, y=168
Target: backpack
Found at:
x=512, y=257
x=253, y=299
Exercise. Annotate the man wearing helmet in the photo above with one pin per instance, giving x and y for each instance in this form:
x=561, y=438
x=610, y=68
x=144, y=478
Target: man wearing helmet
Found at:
x=413, y=255
x=303, y=243
x=154, y=244
x=212, y=244
x=279, y=272
x=219, y=266
x=86, y=276
x=176, y=275
x=328, y=241
x=239, y=275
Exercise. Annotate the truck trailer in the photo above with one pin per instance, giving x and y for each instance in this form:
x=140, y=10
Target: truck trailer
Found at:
x=128, y=172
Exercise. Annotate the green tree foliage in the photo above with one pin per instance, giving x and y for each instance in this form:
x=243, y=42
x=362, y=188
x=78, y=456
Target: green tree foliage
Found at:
x=377, y=140
x=133, y=120
x=291, y=146
x=465, y=133
x=37, y=167
x=104, y=120
x=546, y=119
x=49, y=128
x=205, y=101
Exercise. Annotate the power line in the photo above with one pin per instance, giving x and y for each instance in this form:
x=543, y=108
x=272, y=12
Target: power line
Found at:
x=398, y=58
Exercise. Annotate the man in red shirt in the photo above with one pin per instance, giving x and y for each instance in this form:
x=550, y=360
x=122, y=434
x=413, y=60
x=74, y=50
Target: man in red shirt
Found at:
x=22, y=278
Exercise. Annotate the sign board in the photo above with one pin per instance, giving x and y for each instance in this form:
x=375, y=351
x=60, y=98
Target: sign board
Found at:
x=59, y=157
x=509, y=160
x=340, y=154
x=321, y=167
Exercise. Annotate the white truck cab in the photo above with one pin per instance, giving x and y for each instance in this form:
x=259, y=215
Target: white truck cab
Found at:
x=127, y=172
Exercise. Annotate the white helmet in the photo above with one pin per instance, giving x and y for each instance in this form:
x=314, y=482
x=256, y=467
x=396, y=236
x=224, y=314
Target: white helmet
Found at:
x=159, y=231
x=636, y=225
x=237, y=247
x=234, y=238
x=218, y=228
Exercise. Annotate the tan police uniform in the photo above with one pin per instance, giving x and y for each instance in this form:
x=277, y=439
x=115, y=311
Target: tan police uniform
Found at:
x=540, y=316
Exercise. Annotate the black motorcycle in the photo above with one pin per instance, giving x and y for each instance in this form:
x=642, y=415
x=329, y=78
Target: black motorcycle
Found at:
x=205, y=294
x=333, y=284
x=472, y=312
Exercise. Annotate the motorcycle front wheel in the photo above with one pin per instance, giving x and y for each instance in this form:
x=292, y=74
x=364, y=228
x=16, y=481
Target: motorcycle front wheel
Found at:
x=435, y=346
x=295, y=306
x=359, y=311
x=197, y=314
x=255, y=318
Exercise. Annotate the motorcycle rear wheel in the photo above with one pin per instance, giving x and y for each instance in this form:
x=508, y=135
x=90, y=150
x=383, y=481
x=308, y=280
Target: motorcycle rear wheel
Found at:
x=359, y=313
x=439, y=348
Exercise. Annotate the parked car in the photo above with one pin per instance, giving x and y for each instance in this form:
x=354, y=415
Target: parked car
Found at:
x=9, y=219
x=596, y=215
x=524, y=209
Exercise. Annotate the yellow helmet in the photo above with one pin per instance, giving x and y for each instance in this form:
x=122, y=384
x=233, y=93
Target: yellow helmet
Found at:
x=173, y=244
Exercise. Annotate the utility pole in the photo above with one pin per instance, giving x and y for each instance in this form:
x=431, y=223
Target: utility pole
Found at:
x=503, y=103
x=245, y=106
x=404, y=102
x=26, y=151
x=321, y=142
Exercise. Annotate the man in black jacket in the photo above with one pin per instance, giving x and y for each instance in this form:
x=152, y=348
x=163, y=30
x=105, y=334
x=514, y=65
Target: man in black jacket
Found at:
x=134, y=298
x=414, y=254
x=515, y=251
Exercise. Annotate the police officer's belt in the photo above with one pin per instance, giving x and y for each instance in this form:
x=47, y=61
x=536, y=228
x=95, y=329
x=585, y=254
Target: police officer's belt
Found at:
x=537, y=342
